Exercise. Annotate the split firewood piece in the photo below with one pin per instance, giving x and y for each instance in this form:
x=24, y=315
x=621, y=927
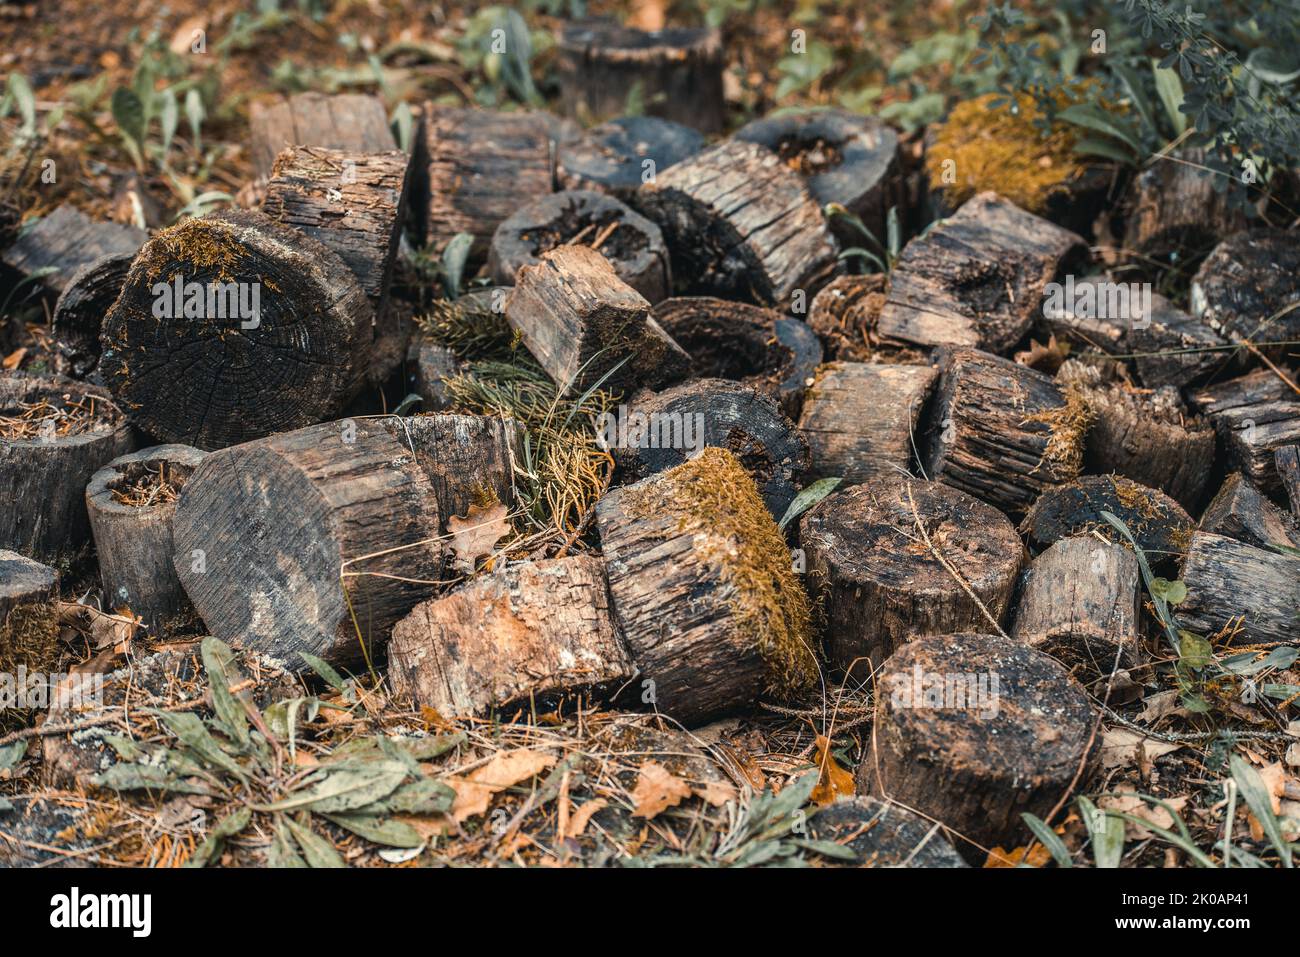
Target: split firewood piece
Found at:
x=704, y=591
x=526, y=636
x=1253, y=415
x=1160, y=526
x=54, y=435
x=63, y=242
x=132, y=504
x=1003, y=432
x=80, y=310
x=654, y=432
x=428, y=364
x=353, y=122
x=860, y=419
x=1092, y=311
x=845, y=158
x=1231, y=586
x=894, y=559
x=677, y=73
x=582, y=323
x=740, y=224
x=232, y=327
x=29, y=627
x=618, y=156
x=1239, y=511
x=1286, y=459
x=882, y=834
x=316, y=540
x=1080, y=603
x=482, y=166
x=844, y=316
x=975, y=730
x=1248, y=289
x=1175, y=210
x=746, y=343
x=1171, y=347
x=633, y=245
x=978, y=278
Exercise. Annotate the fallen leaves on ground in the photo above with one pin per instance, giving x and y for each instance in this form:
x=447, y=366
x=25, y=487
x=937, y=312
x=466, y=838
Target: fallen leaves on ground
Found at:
x=1037, y=856
x=834, y=781
x=474, y=791
x=1125, y=748
x=1138, y=807
x=657, y=789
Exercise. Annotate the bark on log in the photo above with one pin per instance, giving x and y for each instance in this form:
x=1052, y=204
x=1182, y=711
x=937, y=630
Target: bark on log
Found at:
x=79, y=313
x=133, y=530
x=1286, y=459
x=978, y=278
x=860, y=419
x=878, y=585
x=1161, y=527
x=1240, y=512
x=1082, y=314
x=845, y=315
x=1234, y=585
x=66, y=240
x=529, y=636
x=1249, y=288
x=353, y=122
x=740, y=224
x=280, y=542
x=270, y=332
x=977, y=765
x=656, y=432
x=428, y=364
x=1175, y=211
x=1170, y=347
x=23, y=582
x=677, y=73
x=618, y=156
x=882, y=835
x=703, y=590
x=54, y=435
x=1253, y=415
x=633, y=245
x=580, y=321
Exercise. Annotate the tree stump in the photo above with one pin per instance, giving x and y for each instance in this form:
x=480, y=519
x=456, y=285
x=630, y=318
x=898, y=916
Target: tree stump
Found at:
x=1160, y=526
x=353, y=122
x=656, y=432
x=749, y=344
x=529, y=636
x=675, y=73
x=703, y=590
x=428, y=364
x=1249, y=287
x=1080, y=603
x=740, y=224
x=883, y=835
x=581, y=322
x=1239, y=511
x=1175, y=211
x=844, y=316
x=973, y=730
x=79, y=313
x=978, y=278
x=1286, y=459
x=1171, y=347
x=1253, y=415
x=878, y=585
x=860, y=419
x=64, y=241
x=54, y=435
x=269, y=331
x=313, y=540
x=618, y=156
x=1231, y=585
x=132, y=504
x=633, y=245
x=1003, y=432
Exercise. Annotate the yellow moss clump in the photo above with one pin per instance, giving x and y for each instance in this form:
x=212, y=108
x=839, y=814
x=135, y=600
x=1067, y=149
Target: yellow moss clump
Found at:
x=1068, y=427
x=202, y=244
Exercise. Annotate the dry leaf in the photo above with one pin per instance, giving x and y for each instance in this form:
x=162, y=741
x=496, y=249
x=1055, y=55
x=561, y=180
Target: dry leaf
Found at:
x=474, y=536
x=1162, y=704
x=11, y=361
x=579, y=819
x=1147, y=811
x=1124, y=748
x=834, y=780
x=657, y=789
x=474, y=791
x=717, y=793
x=1001, y=857
x=1274, y=778
x=1044, y=358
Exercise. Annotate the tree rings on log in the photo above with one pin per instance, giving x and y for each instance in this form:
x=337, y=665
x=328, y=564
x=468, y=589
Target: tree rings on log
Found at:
x=79, y=313
x=860, y=419
x=740, y=224
x=1157, y=523
x=883, y=835
x=974, y=730
x=704, y=591
x=52, y=250
x=878, y=584
x=316, y=540
x=618, y=156
x=1239, y=511
x=1253, y=415
x=352, y=122
x=1248, y=288
x=527, y=636
x=1237, y=588
x=633, y=245
x=232, y=327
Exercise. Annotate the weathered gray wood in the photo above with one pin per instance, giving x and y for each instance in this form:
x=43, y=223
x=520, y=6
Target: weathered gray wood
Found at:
x=1249, y=288
x=1239, y=511
x=353, y=122
x=1233, y=584
x=1286, y=459
x=66, y=240
x=23, y=581
x=882, y=835
x=618, y=156
x=1253, y=415
x=1175, y=209
x=1171, y=347
x=428, y=365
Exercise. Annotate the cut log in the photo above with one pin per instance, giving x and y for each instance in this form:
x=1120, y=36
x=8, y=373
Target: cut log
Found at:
x=675, y=73
x=1248, y=288
x=740, y=224
x=529, y=636
x=1253, y=415
x=860, y=419
x=1235, y=587
x=1176, y=213
x=1171, y=347
x=63, y=242
x=750, y=344
x=1079, y=602
x=428, y=364
x=1240, y=512
x=132, y=503
x=280, y=542
x=1286, y=459
x=79, y=313
x=844, y=316
x=581, y=322
x=978, y=278
x=618, y=156
x=24, y=582
x=353, y=122
x=656, y=431
x=883, y=835
x=703, y=590
x=1161, y=527
x=633, y=245
x=975, y=730
x=1083, y=313
x=54, y=435
x=29, y=626
x=232, y=327
x=878, y=585
x=1003, y=432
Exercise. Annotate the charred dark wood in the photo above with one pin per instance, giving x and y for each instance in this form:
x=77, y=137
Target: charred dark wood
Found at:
x=429, y=364
x=1239, y=511
x=1286, y=459
x=1160, y=526
x=1248, y=289
x=79, y=313
x=1234, y=586
x=1253, y=415
x=1170, y=347
x=1175, y=211
x=352, y=122
x=63, y=242
x=1083, y=314
x=618, y=156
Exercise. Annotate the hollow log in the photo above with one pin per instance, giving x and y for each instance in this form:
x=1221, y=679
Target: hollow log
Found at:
x=1160, y=526
x=353, y=122
x=844, y=316
x=974, y=730
x=1253, y=415
x=878, y=585
x=1240, y=512
x=268, y=331
x=63, y=242
x=883, y=835
x=1231, y=585
x=1286, y=459
x=618, y=156
x=80, y=310
x=314, y=540
x=1248, y=288
x=1175, y=212
x=740, y=224
x=703, y=590
x=860, y=419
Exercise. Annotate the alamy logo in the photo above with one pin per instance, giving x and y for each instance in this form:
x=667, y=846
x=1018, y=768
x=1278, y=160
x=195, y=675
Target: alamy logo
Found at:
x=946, y=691
x=179, y=299
x=654, y=430
x=1130, y=301
x=34, y=689
x=74, y=910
